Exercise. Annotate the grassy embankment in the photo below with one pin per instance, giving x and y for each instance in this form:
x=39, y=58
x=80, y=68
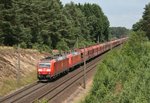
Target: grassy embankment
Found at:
x=9, y=68
x=124, y=75
x=11, y=84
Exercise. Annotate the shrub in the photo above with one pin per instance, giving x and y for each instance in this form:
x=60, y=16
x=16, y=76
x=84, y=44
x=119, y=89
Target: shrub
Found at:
x=123, y=76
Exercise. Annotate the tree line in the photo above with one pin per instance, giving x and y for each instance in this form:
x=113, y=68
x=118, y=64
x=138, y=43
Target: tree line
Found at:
x=118, y=32
x=48, y=24
x=144, y=23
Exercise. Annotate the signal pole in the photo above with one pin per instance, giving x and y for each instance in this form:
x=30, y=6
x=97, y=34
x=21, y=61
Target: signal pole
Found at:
x=84, y=70
x=77, y=43
x=18, y=65
x=111, y=46
x=121, y=44
x=98, y=39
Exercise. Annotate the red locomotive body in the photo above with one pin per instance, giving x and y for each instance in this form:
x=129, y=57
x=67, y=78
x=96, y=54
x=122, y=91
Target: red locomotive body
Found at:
x=48, y=70
x=76, y=58
x=45, y=69
x=61, y=65
x=69, y=56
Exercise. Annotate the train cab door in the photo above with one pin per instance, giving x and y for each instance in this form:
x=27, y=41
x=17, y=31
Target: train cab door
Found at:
x=52, y=68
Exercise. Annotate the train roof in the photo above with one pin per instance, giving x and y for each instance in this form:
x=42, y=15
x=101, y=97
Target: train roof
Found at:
x=75, y=53
x=57, y=57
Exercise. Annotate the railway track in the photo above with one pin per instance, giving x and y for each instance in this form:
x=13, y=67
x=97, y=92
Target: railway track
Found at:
x=51, y=96
x=51, y=90
x=20, y=93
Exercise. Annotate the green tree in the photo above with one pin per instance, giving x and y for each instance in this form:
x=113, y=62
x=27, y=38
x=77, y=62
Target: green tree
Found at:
x=119, y=31
x=98, y=23
x=42, y=24
x=62, y=45
x=10, y=30
x=146, y=20
x=144, y=23
x=78, y=26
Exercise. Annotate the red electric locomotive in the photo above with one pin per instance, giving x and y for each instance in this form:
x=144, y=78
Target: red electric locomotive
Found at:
x=50, y=67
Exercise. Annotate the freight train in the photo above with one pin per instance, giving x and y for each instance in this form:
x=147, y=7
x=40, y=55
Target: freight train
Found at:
x=49, y=68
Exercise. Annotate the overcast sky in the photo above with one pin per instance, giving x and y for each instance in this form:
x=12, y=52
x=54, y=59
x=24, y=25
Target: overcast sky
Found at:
x=119, y=12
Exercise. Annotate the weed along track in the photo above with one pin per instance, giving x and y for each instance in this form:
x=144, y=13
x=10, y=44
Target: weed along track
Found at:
x=20, y=93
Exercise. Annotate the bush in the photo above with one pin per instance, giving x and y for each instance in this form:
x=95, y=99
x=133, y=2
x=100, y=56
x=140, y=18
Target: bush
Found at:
x=123, y=76
x=42, y=47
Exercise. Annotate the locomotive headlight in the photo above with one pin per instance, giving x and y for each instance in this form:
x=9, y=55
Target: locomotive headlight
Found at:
x=48, y=70
x=40, y=70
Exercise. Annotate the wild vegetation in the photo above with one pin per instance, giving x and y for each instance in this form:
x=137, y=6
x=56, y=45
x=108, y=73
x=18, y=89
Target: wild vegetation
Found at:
x=144, y=23
x=123, y=76
x=118, y=32
x=9, y=85
x=13, y=76
x=45, y=24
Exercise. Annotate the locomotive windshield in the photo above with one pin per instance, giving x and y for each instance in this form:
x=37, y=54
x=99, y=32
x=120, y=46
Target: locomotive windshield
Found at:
x=44, y=65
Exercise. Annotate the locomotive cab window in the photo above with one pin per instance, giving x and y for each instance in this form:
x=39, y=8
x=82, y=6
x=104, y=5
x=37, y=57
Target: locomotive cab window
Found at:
x=44, y=65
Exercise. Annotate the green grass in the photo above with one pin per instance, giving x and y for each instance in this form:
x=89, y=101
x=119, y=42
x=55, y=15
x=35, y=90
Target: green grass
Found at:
x=41, y=101
x=10, y=84
x=123, y=76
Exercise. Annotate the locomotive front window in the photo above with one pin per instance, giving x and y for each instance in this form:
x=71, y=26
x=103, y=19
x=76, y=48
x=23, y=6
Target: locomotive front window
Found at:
x=44, y=65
